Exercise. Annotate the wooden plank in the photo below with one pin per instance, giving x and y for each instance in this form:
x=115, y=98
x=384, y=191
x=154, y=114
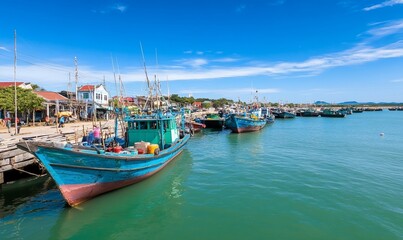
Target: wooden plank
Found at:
x=6, y=148
x=23, y=164
x=22, y=157
x=1, y=179
x=11, y=153
x=4, y=161
x=5, y=168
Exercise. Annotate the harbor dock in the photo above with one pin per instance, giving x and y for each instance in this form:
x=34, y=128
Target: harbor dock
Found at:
x=16, y=163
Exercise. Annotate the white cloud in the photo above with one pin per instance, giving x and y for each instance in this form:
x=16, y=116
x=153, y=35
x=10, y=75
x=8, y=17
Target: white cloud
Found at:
x=225, y=60
x=397, y=80
x=120, y=8
x=117, y=7
x=198, y=62
x=199, y=68
x=387, y=28
x=4, y=48
x=199, y=53
x=188, y=52
x=384, y=4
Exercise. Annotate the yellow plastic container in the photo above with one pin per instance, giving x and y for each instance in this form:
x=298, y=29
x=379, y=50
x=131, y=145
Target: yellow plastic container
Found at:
x=151, y=148
x=141, y=146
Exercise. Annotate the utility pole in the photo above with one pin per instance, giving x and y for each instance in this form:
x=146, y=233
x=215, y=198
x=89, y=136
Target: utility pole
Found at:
x=15, y=82
x=76, y=75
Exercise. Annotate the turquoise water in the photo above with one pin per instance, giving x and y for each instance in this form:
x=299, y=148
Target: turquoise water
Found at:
x=303, y=178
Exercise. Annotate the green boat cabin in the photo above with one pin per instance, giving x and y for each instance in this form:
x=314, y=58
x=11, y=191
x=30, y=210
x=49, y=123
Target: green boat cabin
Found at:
x=149, y=130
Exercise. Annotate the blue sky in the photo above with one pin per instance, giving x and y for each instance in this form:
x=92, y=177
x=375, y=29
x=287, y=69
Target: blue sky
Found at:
x=287, y=50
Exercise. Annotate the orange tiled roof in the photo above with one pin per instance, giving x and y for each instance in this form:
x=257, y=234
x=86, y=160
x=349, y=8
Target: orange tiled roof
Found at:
x=9, y=84
x=86, y=88
x=51, y=96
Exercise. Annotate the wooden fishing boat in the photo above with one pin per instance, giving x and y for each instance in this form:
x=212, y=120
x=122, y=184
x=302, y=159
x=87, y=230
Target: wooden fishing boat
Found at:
x=308, y=113
x=268, y=115
x=195, y=126
x=246, y=123
x=281, y=113
x=213, y=120
x=82, y=173
x=332, y=114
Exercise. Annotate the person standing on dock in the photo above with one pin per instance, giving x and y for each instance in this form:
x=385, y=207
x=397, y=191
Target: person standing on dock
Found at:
x=8, y=124
x=97, y=134
x=47, y=120
x=61, y=122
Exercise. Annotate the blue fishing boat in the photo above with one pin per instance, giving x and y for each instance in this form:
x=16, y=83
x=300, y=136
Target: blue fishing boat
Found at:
x=332, y=113
x=268, y=115
x=308, y=113
x=281, y=113
x=84, y=172
x=248, y=122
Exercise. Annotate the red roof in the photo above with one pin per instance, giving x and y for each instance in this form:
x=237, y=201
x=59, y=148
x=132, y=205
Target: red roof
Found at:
x=51, y=96
x=86, y=88
x=9, y=84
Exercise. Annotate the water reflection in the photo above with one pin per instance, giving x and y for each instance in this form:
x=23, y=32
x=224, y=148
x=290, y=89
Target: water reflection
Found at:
x=15, y=194
x=120, y=213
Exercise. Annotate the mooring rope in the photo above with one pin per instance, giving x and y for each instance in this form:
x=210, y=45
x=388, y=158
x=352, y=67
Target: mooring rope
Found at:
x=33, y=174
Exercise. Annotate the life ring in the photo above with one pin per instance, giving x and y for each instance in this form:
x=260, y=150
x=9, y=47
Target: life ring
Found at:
x=156, y=151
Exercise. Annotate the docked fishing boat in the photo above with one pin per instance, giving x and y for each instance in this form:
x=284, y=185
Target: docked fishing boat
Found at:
x=268, y=115
x=247, y=122
x=332, y=113
x=213, y=120
x=195, y=126
x=357, y=110
x=281, y=113
x=308, y=113
x=84, y=172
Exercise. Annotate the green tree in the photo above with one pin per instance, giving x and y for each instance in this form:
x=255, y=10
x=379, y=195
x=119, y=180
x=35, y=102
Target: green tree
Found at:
x=36, y=87
x=7, y=99
x=206, y=104
x=27, y=100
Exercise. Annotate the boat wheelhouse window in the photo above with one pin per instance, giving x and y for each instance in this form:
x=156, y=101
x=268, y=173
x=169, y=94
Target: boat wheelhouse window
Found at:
x=166, y=124
x=132, y=125
x=142, y=125
x=153, y=125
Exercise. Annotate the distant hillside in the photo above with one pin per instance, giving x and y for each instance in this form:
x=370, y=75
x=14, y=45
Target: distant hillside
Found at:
x=321, y=103
x=349, y=103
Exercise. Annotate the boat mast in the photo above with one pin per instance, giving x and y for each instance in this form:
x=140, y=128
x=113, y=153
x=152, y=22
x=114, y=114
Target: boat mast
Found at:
x=76, y=77
x=15, y=82
x=69, y=94
x=148, y=80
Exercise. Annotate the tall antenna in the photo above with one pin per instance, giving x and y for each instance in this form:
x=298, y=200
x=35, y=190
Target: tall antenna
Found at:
x=15, y=81
x=76, y=76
